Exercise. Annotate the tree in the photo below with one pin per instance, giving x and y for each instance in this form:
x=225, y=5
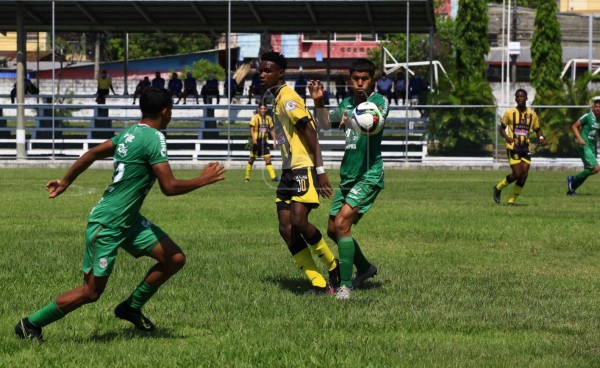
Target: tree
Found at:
x=143, y=45
x=471, y=43
x=465, y=130
x=546, y=50
x=201, y=69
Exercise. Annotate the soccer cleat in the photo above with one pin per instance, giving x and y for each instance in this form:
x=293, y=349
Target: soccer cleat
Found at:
x=570, y=182
x=317, y=290
x=359, y=279
x=497, y=194
x=135, y=316
x=343, y=293
x=27, y=331
x=275, y=179
x=571, y=193
x=247, y=180
x=334, y=275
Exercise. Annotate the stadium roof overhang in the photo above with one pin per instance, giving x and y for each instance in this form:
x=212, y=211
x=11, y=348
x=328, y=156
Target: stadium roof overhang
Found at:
x=211, y=16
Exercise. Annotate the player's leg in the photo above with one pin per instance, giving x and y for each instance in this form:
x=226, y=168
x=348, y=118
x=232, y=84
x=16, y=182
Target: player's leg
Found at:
x=249, y=165
x=590, y=167
x=299, y=249
x=520, y=171
x=304, y=200
x=513, y=159
x=148, y=239
x=269, y=167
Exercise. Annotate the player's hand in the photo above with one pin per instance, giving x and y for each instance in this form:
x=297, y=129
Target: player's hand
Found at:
x=509, y=140
x=212, y=173
x=254, y=142
x=581, y=142
x=543, y=141
x=274, y=145
x=56, y=187
x=345, y=119
x=315, y=89
x=324, y=187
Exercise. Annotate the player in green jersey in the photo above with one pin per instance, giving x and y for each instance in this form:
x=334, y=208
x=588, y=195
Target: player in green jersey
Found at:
x=585, y=130
x=140, y=157
x=361, y=172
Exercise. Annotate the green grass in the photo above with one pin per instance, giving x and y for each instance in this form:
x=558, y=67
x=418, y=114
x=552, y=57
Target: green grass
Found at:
x=463, y=282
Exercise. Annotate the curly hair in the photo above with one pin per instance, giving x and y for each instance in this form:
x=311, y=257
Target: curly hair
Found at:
x=276, y=58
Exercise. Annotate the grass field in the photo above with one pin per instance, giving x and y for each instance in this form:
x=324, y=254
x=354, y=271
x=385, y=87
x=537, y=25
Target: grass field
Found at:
x=462, y=282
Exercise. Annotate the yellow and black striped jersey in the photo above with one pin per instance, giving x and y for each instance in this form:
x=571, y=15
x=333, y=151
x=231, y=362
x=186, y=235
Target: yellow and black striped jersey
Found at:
x=520, y=124
x=289, y=110
x=261, y=126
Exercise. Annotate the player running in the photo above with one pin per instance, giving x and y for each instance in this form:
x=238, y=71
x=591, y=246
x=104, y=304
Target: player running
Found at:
x=140, y=157
x=585, y=130
x=520, y=121
x=361, y=173
x=303, y=177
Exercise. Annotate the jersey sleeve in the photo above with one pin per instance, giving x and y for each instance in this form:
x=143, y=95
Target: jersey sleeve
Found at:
x=506, y=118
x=535, y=122
x=270, y=122
x=253, y=121
x=157, y=148
x=296, y=111
x=381, y=102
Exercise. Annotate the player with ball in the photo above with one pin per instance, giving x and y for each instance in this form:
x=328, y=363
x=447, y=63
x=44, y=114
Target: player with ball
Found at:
x=361, y=116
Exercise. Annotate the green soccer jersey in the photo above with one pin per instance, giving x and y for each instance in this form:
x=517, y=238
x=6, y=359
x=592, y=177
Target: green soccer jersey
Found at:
x=362, y=154
x=589, y=128
x=137, y=148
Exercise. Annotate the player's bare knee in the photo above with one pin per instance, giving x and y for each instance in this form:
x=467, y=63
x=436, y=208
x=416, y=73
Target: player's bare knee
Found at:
x=177, y=262
x=91, y=295
x=596, y=170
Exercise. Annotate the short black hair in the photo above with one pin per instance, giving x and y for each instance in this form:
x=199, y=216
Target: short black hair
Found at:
x=276, y=58
x=522, y=91
x=363, y=65
x=153, y=100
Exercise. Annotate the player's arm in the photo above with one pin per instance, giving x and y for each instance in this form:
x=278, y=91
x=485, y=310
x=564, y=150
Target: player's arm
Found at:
x=316, y=90
x=576, y=129
x=99, y=152
x=502, y=129
x=170, y=186
x=308, y=131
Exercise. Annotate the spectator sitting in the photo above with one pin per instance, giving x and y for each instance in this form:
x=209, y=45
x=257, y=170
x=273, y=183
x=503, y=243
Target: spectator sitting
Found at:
x=300, y=87
x=190, y=87
x=400, y=88
x=384, y=87
x=340, y=88
x=254, y=87
x=210, y=89
x=175, y=86
x=158, y=81
x=233, y=83
x=141, y=87
x=30, y=89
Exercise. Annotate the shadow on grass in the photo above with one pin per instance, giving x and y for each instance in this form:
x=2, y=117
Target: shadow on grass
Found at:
x=131, y=333
x=301, y=286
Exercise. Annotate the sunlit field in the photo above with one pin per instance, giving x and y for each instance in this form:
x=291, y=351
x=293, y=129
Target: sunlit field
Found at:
x=462, y=281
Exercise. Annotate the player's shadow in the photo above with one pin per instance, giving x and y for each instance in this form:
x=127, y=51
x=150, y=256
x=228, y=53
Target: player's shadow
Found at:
x=301, y=286
x=129, y=333
x=292, y=284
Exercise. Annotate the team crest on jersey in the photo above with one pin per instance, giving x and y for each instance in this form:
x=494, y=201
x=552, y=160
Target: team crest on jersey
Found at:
x=129, y=138
x=103, y=262
x=290, y=105
x=122, y=149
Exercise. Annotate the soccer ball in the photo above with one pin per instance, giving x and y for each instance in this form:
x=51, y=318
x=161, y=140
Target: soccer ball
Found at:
x=366, y=119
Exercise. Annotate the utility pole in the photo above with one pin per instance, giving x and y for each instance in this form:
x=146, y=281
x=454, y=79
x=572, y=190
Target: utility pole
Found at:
x=514, y=56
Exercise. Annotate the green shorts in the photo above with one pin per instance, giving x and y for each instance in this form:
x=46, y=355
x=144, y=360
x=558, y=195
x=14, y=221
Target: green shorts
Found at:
x=360, y=194
x=588, y=156
x=102, y=244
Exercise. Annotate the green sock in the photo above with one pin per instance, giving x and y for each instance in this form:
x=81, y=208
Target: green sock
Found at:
x=346, y=250
x=141, y=295
x=580, y=178
x=45, y=316
x=360, y=261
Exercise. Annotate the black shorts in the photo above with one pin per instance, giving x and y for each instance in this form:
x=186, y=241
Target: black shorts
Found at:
x=261, y=148
x=297, y=185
